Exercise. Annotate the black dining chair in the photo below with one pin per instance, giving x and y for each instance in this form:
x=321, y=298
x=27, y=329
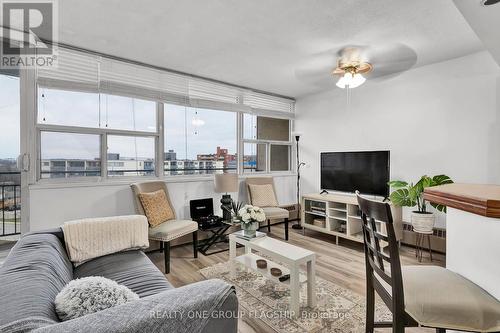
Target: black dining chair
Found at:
x=427, y=296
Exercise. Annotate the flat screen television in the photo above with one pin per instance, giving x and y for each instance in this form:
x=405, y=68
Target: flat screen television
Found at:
x=365, y=171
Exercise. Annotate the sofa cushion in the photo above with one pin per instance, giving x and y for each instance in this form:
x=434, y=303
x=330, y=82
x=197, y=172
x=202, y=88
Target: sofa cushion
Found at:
x=133, y=269
x=36, y=269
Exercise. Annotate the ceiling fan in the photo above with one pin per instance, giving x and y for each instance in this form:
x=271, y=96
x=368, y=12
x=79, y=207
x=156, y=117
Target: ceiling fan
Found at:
x=350, y=68
x=352, y=65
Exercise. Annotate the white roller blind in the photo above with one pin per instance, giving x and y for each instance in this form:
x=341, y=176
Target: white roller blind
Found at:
x=139, y=81
x=75, y=70
x=262, y=101
x=85, y=71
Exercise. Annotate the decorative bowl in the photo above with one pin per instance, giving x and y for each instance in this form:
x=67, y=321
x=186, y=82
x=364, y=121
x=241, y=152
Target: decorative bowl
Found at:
x=276, y=271
x=261, y=263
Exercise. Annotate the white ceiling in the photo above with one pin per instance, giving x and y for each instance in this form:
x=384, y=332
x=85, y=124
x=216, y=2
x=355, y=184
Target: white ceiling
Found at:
x=486, y=23
x=261, y=43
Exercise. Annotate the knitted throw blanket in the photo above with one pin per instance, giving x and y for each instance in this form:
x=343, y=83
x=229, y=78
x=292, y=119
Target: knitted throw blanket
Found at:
x=95, y=237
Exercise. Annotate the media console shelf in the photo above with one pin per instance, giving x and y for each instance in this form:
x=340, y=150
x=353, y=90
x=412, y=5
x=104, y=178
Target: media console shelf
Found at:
x=339, y=215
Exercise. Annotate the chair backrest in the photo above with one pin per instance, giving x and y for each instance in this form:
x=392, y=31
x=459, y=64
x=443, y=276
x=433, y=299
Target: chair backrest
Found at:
x=259, y=181
x=381, y=266
x=147, y=187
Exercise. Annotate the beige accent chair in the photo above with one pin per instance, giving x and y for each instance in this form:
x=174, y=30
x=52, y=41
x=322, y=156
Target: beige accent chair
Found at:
x=272, y=213
x=167, y=231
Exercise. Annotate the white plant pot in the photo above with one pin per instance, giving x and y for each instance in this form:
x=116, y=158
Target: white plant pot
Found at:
x=423, y=222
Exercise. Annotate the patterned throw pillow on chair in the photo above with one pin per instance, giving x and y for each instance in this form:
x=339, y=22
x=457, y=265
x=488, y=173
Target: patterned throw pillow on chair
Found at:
x=263, y=195
x=156, y=207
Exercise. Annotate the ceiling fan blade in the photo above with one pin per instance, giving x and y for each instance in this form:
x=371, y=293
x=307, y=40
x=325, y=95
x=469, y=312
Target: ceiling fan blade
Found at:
x=317, y=70
x=390, y=60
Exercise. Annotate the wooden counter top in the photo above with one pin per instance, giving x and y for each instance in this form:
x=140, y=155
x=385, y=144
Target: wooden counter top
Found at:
x=478, y=199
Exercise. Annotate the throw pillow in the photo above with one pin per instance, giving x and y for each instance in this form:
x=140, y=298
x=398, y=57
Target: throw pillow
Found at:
x=156, y=207
x=263, y=195
x=91, y=294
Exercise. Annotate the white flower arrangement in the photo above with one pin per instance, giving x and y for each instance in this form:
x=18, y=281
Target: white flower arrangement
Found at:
x=250, y=214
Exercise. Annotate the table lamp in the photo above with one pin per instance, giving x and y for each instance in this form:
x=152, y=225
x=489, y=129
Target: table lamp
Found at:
x=226, y=183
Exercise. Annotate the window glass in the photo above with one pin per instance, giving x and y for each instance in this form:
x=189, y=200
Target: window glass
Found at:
x=249, y=126
x=199, y=141
x=254, y=157
x=130, y=156
x=68, y=108
x=265, y=128
x=280, y=158
x=66, y=155
x=126, y=113
x=9, y=129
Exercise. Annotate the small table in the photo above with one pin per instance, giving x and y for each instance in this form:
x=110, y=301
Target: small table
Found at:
x=290, y=255
x=218, y=235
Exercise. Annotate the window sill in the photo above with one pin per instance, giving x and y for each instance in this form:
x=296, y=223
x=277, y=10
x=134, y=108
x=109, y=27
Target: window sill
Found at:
x=96, y=182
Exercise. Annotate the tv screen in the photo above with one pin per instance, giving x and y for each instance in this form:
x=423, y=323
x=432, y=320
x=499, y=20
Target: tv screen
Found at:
x=365, y=171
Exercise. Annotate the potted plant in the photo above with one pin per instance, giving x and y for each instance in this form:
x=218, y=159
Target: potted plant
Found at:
x=234, y=209
x=250, y=217
x=410, y=195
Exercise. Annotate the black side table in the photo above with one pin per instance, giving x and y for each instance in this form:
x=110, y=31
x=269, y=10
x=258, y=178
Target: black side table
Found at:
x=217, y=235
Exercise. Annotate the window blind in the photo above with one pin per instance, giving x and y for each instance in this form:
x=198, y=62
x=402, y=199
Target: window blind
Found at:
x=74, y=71
x=79, y=70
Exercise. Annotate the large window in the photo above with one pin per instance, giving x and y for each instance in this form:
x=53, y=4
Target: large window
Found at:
x=266, y=139
x=127, y=125
x=199, y=141
x=89, y=134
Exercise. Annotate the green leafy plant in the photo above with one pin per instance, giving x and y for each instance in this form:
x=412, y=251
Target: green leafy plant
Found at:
x=409, y=195
x=234, y=209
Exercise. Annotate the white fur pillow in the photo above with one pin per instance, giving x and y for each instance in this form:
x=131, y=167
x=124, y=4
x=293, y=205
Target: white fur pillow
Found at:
x=91, y=294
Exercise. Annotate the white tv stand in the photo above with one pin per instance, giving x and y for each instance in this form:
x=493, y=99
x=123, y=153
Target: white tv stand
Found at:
x=338, y=215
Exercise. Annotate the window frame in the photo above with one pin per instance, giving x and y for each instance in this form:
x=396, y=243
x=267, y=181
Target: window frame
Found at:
x=268, y=144
x=103, y=134
x=159, y=137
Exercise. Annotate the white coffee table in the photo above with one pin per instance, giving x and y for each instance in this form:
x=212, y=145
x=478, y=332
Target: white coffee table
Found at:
x=290, y=255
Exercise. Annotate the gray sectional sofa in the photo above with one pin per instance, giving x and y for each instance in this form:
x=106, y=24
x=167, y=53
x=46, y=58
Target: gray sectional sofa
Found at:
x=38, y=267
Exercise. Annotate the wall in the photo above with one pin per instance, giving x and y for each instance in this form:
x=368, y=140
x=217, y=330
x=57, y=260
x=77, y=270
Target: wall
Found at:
x=51, y=205
x=440, y=118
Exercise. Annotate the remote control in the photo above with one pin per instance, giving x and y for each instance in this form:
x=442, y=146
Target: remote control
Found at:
x=285, y=277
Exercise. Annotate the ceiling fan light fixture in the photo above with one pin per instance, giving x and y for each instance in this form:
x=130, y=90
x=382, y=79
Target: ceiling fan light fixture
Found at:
x=350, y=80
x=342, y=82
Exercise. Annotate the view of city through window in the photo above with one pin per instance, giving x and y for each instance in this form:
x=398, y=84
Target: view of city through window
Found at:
x=196, y=141
x=10, y=189
x=199, y=141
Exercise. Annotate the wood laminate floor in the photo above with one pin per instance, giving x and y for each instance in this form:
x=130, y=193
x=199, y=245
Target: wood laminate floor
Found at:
x=342, y=264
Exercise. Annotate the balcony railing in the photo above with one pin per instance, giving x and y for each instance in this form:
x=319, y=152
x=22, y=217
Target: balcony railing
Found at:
x=10, y=203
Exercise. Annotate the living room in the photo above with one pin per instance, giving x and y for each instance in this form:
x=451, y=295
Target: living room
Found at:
x=264, y=166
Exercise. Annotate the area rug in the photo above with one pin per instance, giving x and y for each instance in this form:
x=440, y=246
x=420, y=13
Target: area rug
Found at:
x=261, y=299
